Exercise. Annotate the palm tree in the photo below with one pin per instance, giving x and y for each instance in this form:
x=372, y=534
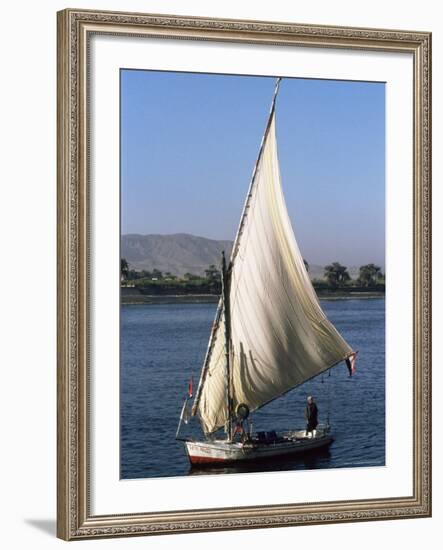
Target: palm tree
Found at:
x=124, y=269
x=369, y=275
x=336, y=274
x=212, y=273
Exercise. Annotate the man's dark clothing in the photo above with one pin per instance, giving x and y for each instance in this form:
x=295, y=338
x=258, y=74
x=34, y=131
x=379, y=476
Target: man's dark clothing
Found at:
x=311, y=415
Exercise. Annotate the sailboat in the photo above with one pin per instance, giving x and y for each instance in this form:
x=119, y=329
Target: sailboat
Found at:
x=269, y=335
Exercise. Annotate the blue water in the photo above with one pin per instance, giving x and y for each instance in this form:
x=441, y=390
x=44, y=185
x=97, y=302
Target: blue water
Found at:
x=163, y=345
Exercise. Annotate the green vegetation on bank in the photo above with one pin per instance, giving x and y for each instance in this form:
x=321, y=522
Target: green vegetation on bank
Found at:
x=337, y=281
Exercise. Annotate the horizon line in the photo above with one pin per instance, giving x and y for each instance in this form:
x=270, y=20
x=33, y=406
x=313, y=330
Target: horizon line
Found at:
x=383, y=264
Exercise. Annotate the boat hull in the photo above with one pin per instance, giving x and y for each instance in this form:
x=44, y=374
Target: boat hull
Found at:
x=224, y=452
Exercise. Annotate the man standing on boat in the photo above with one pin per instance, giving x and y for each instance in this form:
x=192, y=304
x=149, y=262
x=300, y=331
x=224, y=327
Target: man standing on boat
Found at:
x=311, y=415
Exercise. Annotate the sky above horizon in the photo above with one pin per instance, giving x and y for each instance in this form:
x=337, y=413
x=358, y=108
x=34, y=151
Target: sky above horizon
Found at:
x=189, y=143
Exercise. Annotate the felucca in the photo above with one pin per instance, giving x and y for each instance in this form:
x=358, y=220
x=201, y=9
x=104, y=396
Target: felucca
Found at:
x=269, y=335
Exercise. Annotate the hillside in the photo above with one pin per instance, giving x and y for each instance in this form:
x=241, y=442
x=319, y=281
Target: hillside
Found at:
x=179, y=254
x=183, y=253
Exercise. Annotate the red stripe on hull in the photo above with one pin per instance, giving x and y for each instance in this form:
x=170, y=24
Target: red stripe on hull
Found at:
x=204, y=459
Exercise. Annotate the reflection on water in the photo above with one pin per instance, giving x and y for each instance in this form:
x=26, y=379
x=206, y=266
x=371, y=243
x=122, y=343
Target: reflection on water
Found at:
x=163, y=345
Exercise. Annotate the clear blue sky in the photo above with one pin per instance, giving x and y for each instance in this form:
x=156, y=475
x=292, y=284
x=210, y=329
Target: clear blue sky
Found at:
x=189, y=143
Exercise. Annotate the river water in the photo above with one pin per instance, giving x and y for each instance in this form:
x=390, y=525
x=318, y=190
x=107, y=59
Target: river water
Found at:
x=163, y=345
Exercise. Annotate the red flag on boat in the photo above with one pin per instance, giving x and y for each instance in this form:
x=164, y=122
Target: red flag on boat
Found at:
x=350, y=363
x=190, y=387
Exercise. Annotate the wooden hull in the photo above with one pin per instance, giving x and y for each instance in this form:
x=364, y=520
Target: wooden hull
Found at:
x=224, y=452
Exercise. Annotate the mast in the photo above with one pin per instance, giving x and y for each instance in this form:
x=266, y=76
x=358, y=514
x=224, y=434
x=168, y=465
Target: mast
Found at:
x=225, y=272
x=234, y=253
x=227, y=315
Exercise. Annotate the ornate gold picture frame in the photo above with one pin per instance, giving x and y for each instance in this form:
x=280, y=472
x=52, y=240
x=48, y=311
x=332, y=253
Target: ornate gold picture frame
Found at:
x=75, y=519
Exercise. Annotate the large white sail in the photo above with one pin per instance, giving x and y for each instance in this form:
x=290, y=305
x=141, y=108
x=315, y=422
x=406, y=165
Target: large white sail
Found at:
x=280, y=336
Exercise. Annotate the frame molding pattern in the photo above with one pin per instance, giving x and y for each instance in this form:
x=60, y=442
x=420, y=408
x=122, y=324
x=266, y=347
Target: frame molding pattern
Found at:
x=74, y=30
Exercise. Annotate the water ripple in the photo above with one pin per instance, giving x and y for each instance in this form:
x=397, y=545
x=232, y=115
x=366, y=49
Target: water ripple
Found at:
x=161, y=346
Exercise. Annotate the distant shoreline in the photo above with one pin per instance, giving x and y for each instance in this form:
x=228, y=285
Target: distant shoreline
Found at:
x=146, y=299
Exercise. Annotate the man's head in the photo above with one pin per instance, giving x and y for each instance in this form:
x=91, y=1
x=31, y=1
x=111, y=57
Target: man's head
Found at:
x=310, y=399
